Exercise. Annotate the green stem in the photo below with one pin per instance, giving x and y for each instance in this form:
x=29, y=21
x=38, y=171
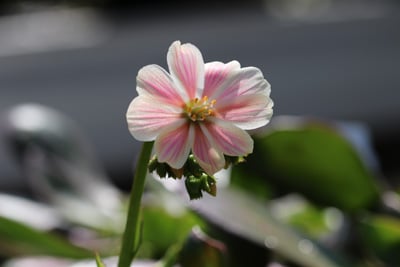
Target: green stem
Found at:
x=132, y=228
x=171, y=256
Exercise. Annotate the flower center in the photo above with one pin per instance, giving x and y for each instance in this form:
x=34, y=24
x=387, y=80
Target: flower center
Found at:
x=199, y=109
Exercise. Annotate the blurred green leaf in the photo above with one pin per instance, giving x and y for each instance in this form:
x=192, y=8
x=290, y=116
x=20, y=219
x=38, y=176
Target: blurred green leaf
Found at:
x=99, y=262
x=162, y=229
x=200, y=250
x=319, y=223
x=310, y=221
x=317, y=162
x=242, y=215
x=381, y=235
x=19, y=239
x=113, y=261
x=250, y=181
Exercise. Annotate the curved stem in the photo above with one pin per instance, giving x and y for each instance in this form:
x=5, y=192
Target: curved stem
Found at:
x=132, y=228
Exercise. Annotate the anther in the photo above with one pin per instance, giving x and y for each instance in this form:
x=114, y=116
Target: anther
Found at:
x=199, y=108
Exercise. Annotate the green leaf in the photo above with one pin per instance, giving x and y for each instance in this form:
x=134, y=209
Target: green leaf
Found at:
x=317, y=162
x=99, y=262
x=319, y=223
x=380, y=234
x=113, y=261
x=243, y=178
x=162, y=229
x=242, y=215
x=200, y=250
x=19, y=239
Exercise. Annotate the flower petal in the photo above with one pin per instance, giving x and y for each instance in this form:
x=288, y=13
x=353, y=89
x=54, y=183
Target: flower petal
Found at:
x=186, y=64
x=146, y=117
x=205, y=152
x=155, y=81
x=246, y=81
x=228, y=138
x=173, y=144
x=216, y=74
x=248, y=111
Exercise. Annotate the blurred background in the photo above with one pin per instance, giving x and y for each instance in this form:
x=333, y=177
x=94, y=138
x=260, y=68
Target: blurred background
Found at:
x=323, y=182
x=333, y=59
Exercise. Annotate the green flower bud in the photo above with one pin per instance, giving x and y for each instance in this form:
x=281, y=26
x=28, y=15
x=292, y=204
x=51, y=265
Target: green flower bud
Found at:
x=194, y=187
x=197, y=180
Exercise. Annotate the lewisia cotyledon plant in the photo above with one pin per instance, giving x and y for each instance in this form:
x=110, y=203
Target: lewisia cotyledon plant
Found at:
x=198, y=108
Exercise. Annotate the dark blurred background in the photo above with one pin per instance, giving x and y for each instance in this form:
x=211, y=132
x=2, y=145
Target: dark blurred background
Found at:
x=333, y=59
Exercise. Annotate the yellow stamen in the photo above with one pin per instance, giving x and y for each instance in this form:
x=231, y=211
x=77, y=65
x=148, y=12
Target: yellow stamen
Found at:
x=199, y=109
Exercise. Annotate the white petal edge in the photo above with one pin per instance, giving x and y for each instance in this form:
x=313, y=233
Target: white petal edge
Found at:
x=191, y=78
x=216, y=74
x=154, y=81
x=245, y=81
x=248, y=112
x=228, y=138
x=147, y=116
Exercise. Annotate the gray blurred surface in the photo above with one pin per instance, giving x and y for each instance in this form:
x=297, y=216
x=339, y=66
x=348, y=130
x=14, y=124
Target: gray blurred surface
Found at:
x=343, y=69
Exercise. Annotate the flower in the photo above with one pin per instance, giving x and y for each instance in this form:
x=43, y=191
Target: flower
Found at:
x=200, y=109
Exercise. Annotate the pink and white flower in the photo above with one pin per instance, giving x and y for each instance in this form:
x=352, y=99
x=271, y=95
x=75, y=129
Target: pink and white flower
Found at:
x=198, y=108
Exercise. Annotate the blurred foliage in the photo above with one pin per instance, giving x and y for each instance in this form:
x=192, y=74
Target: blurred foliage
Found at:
x=305, y=197
x=199, y=250
x=380, y=236
x=18, y=239
x=313, y=221
x=99, y=262
x=316, y=161
x=244, y=224
x=161, y=229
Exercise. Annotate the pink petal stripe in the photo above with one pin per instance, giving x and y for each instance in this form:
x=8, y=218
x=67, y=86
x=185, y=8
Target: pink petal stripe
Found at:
x=173, y=145
x=205, y=152
x=248, y=111
x=246, y=81
x=146, y=117
x=186, y=64
x=155, y=81
x=216, y=74
x=228, y=138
